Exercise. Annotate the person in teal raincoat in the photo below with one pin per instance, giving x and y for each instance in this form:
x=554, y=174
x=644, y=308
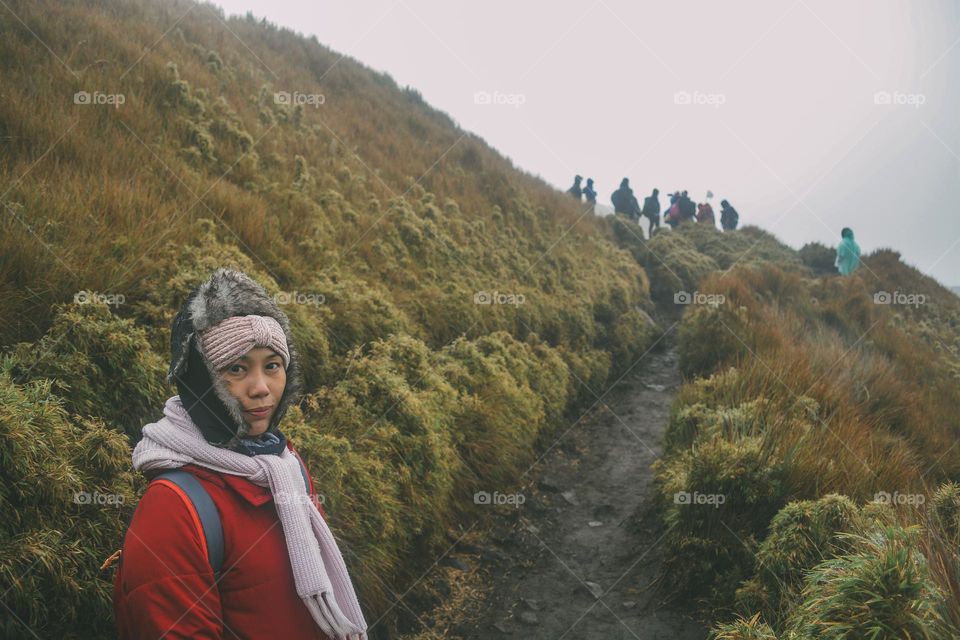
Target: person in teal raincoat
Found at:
x=848, y=253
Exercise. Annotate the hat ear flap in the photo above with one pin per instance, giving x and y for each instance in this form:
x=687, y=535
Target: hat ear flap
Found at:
x=217, y=422
x=181, y=334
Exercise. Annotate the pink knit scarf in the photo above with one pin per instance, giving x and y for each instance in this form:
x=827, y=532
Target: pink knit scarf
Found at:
x=175, y=440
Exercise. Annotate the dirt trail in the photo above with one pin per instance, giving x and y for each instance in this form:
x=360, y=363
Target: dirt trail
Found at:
x=573, y=561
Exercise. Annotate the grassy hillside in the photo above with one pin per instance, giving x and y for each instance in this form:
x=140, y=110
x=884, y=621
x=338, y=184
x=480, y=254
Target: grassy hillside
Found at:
x=382, y=228
x=811, y=457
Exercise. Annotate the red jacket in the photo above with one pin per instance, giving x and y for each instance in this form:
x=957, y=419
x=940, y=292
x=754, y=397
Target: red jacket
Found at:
x=165, y=586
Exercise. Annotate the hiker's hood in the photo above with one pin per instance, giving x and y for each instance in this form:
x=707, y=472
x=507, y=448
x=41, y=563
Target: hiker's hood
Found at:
x=219, y=415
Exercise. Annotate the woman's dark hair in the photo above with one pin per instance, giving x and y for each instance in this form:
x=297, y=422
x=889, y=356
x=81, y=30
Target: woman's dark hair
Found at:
x=846, y=232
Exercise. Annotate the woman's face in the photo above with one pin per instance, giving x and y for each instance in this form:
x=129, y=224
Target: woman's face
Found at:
x=256, y=379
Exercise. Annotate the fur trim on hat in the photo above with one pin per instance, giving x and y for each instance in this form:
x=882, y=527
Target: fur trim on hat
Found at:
x=230, y=293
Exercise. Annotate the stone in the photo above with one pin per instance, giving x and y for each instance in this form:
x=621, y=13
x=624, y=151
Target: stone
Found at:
x=549, y=484
x=528, y=617
x=591, y=588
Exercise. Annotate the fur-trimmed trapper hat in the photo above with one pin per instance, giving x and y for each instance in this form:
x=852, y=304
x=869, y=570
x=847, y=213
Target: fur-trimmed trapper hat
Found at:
x=219, y=415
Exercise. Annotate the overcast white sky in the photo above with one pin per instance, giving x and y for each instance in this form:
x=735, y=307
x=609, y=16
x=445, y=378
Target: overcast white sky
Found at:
x=783, y=119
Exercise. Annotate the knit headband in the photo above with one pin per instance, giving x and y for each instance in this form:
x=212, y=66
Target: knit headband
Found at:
x=234, y=336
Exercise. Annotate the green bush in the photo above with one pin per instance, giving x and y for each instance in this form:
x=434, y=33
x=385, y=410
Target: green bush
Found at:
x=945, y=512
x=367, y=509
x=882, y=590
x=802, y=535
x=65, y=491
x=178, y=269
x=710, y=336
x=743, y=629
x=698, y=422
x=675, y=265
x=632, y=335
x=819, y=258
x=99, y=365
x=726, y=249
x=711, y=545
x=408, y=408
x=500, y=415
x=589, y=372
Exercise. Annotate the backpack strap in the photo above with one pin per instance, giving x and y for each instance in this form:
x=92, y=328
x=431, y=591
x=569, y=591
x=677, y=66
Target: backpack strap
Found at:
x=206, y=511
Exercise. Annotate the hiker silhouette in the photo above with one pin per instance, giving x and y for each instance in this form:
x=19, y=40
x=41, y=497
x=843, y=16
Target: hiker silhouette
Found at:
x=576, y=191
x=625, y=202
x=589, y=192
x=728, y=216
x=682, y=209
x=672, y=215
x=688, y=209
x=651, y=211
x=705, y=214
x=848, y=253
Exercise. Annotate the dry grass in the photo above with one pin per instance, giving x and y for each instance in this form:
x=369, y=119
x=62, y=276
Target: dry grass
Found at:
x=844, y=395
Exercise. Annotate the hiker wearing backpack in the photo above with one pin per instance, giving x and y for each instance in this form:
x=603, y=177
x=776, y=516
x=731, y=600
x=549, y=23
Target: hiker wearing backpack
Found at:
x=591, y=195
x=688, y=208
x=728, y=216
x=625, y=202
x=705, y=214
x=672, y=214
x=651, y=211
x=229, y=538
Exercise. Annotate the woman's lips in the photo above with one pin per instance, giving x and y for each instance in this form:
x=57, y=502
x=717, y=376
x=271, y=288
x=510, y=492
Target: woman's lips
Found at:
x=260, y=413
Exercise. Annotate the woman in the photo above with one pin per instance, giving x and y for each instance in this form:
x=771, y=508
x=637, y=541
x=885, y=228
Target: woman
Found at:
x=705, y=214
x=236, y=369
x=848, y=253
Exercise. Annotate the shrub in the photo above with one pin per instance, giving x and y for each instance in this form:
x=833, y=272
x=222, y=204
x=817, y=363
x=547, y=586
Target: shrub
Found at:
x=361, y=489
x=711, y=336
x=674, y=264
x=945, y=512
x=819, y=258
x=402, y=413
x=712, y=546
x=66, y=494
x=743, y=629
x=801, y=535
x=589, y=372
x=99, y=365
x=882, y=590
x=697, y=422
x=500, y=415
x=632, y=335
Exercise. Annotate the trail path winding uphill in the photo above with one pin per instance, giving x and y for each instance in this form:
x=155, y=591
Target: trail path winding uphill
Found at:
x=572, y=561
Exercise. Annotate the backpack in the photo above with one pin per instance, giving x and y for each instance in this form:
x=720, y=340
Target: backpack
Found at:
x=651, y=206
x=730, y=217
x=673, y=214
x=616, y=199
x=188, y=486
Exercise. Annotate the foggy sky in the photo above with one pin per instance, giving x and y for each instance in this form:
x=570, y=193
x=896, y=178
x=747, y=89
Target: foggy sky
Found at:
x=807, y=115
